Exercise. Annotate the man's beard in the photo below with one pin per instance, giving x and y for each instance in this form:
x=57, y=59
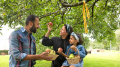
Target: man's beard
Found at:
x=33, y=29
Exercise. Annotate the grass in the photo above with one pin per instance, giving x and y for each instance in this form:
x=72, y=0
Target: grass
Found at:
x=4, y=61
x=102, y=60
x=106, y=59
x=43, y=63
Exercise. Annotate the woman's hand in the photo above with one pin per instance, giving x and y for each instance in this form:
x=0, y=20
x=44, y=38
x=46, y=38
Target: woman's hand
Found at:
x=49, y=30
x=60, y=50
x=73, y=48
x=49, y=27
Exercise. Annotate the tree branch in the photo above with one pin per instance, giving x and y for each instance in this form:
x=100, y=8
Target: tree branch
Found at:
x=80, y=0
x=93, y=3
x=62, y=17
x=92, y=14
x=48, y=14
x=56, y=12
x=93, y=10
x=88, y=8
x=106, y=3
x=1, y=24
x=62, y=13
x=71, y=5
x=57, y=26
x=44, y=3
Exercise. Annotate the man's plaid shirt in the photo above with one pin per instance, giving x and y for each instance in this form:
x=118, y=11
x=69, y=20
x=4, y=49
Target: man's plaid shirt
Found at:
x=19, y=47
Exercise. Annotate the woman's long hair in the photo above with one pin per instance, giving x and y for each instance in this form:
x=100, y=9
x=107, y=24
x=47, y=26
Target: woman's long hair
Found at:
x=71, y=30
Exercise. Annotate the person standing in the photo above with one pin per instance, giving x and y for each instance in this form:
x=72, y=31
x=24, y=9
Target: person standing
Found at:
x=22, y=46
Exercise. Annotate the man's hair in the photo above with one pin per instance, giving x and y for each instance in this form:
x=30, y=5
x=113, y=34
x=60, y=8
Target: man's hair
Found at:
x=30, y=18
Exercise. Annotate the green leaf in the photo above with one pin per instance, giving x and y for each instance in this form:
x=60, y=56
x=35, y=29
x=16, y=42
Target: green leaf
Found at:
x=1, y=18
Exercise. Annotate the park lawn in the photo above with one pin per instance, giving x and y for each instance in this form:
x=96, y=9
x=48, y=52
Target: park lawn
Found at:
x=94, y=60
x=4, y=61
x=43, y=63
x=110, y=59
x=102, y=60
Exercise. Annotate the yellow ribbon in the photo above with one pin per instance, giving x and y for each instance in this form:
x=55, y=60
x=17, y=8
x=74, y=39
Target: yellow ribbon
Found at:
x=84, y=16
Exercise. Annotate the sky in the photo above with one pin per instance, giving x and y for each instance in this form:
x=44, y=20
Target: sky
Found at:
x=4, y=39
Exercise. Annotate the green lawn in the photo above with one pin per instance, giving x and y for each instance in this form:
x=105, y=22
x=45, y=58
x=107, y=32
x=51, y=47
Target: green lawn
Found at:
x=110, y=59
x=4, y=61
x=102, y=60
x=43, y=64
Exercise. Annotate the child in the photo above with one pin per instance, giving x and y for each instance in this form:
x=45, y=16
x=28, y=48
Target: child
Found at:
x=75, y=41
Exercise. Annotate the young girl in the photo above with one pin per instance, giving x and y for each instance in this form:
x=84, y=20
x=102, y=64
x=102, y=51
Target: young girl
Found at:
x=75, y=41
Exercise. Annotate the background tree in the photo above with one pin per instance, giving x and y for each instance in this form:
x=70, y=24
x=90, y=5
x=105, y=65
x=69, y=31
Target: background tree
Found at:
x=103, y=20
x=117, y=32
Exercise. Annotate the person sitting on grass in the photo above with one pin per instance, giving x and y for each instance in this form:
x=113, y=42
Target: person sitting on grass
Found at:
x=57, y=42
x=75, y=41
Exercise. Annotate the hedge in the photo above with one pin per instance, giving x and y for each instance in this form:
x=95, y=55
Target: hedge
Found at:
x=5, y=51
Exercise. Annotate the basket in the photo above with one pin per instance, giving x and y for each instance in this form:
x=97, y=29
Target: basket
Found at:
x=73, y=60
x=53, y=55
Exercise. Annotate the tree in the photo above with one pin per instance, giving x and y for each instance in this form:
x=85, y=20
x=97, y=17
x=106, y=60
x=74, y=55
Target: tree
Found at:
x=102, y=24
x=117, y=32
x=97, y=45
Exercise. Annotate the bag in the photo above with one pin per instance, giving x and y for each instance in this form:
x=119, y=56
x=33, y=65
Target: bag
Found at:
x=86, y=51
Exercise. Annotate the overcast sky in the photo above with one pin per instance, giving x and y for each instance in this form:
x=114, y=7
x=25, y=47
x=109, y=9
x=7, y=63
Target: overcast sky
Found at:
x=4, y=42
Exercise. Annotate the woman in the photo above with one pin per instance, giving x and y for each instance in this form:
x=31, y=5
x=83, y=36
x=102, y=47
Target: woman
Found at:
x=57, y=42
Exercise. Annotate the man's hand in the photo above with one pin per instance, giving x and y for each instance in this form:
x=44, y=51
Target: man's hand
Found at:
x=45, y=56
x=38, y=57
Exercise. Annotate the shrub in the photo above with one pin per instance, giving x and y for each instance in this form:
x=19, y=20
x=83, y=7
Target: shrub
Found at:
x=4, y=51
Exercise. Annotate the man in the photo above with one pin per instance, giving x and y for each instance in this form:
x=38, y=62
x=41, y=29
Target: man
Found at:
x=22, y=45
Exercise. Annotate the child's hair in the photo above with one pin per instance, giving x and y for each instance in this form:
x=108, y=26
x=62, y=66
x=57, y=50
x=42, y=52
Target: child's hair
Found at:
x=81, y=42
x=77, y=37
x=80, y=39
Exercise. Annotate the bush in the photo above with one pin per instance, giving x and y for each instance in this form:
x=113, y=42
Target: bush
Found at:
x=4, y=51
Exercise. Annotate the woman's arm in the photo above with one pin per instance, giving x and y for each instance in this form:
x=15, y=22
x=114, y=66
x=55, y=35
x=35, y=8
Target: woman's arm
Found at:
x=47, y=34
x=64, y=55
x=60, y=51
x=49, y=30
x=46, y=41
